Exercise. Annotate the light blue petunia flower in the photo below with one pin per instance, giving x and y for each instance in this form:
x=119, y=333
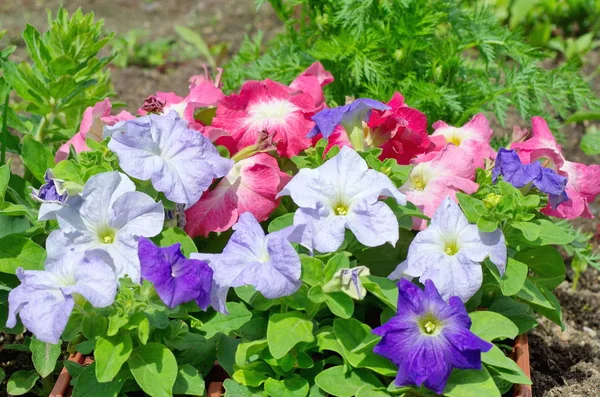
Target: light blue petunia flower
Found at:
x=179, y=161
x=342, y=194
x=44, y=300
x=268, y=263
x=450, y=251
x=111, y=216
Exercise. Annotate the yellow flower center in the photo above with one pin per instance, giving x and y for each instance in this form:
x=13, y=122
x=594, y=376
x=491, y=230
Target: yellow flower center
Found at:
x=418, y=182
x=429, y=327
x=451, y=248
x=341, y=210
x=107, y=235
x=455, y=139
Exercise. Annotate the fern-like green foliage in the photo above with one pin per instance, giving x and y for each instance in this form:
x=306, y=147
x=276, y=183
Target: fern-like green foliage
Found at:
x=447, y=58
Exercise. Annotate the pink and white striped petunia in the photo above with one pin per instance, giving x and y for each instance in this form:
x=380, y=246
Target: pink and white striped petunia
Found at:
x=437, y=175
x=283, y=112
x=251, y=186
x=473, y=138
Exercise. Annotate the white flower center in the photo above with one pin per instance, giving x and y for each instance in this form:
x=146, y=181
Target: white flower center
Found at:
x=266, y=114
x=178, y=107
x=420, y=176
x=454, y=135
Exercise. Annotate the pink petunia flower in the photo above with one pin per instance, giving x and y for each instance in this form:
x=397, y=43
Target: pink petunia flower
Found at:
x=583, y=183
x=94, y=119
x=401, y=131
x=473, y=138
x=282, y=111
x=251, y=186
x=437, y=175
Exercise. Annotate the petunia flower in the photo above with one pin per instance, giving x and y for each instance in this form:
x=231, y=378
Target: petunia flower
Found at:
x=349, y=282
x=268, y=263
x=400, y=131
x=312, y=81
x=473, y=138
x=450, y=251
x=350, y=117
x=179, y=161
x=176, y=279
x=44, y=299
x=517, y=174
x=110, y=216
x=436, y=175
x=342, y=194
x=52, y=191
x=94, y=118
x=268, y=106
x=583, y=181
x=251, y=186
x=428, y=338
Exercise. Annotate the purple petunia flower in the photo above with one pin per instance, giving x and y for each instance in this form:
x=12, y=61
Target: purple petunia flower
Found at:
x=45, y=299
x=176, y=279
x=508, y=164
x=428, y=337
x=350, y=116
x=268, y=263
x=52, y=191
x=179, y=161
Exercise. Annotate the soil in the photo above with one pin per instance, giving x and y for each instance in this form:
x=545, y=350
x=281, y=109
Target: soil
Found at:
x=565, y=364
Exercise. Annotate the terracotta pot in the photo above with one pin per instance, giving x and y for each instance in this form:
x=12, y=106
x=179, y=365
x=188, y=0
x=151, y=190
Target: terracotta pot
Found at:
x=521, y=357
x=217, y=374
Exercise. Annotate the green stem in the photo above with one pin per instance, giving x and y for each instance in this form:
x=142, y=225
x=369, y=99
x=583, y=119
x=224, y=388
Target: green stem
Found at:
x=575, y=280
x=4, y=130
x=39, y=133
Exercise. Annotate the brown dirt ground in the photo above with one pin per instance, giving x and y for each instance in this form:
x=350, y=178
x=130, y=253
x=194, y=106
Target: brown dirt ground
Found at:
x=564, y=364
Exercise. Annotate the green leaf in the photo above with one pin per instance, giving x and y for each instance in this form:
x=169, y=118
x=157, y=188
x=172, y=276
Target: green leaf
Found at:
x=519, y=313
x=285, y=330
x=245, y=350
x=86, y=384
x=514, y=277
x=511, y=371
x=293, y=386
x=93, y=324
x=531, y=293
x=544, y=232
x=337, y=382
x=21, y=382
x=382, y=260
x=37, y=157
x=18, y=251
x=44, y=356
x=335, y=263
x=2, y=375
x=154, y=368
x=590, y=143
x=555, y=313
x=253, y=374
x=175, y=235
x=198, y=42
x=471, y=383
x=189, y=381
x=13, y=225
x=227, y=323
x=312, y=269
x=110, y=354
x=491, y=326
x=234, y=389
x=384, y=289
x=4, y=178
x=340, y=304
x=547, y=263
x=226, y=352
x=281, y=223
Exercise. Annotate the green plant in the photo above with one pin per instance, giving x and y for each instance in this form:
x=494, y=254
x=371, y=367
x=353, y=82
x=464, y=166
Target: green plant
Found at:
x=450, y=60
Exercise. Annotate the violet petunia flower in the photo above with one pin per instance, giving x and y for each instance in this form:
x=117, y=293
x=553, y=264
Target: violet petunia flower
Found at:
x=176, y=279
x=52, y=191
x=509, y=165
x=428, y=337
x=268, y=263
x=342, y=194
x=179, y=161
x=350, y=117
x=45, y=299
x=449, y=252
x=110, y=215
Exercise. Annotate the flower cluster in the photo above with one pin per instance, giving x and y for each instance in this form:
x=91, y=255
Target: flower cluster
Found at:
x=268, y=197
